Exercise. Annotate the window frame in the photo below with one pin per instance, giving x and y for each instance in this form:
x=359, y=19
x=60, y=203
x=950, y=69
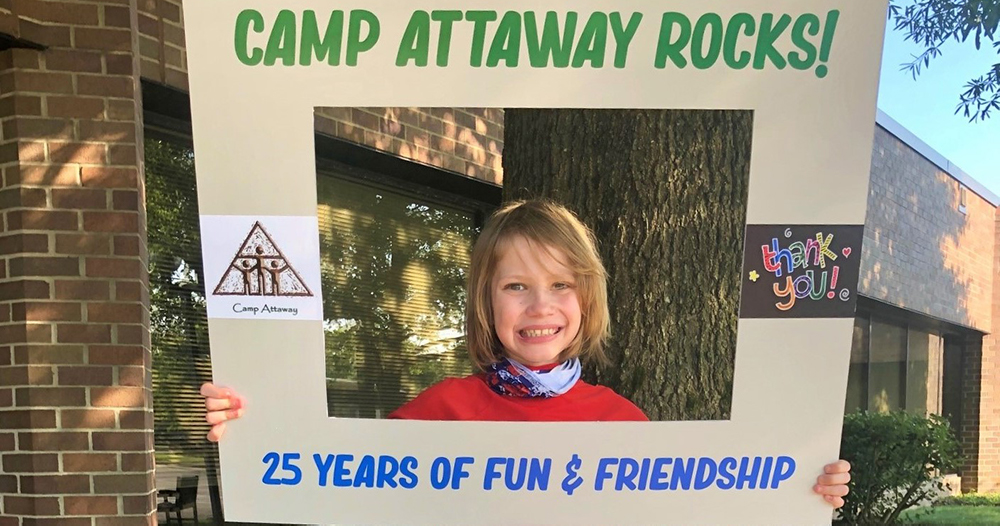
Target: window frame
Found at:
x=877, y=310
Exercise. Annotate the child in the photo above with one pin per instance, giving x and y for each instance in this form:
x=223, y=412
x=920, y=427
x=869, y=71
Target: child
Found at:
x=537, y=304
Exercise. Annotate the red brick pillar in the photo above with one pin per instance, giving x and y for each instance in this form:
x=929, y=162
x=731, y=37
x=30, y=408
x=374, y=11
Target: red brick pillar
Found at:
x=76, y=435
x=972, y=361
x=980, y=432
x=989, y=407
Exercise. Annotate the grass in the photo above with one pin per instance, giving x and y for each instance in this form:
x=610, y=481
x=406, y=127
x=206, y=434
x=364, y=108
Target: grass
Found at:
x=954, y=515
x=971, y=499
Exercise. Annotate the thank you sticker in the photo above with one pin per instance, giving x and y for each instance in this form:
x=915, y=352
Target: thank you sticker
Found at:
x=800, y=271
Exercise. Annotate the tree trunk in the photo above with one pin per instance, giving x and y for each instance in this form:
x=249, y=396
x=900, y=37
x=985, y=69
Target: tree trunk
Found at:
x=665, y=193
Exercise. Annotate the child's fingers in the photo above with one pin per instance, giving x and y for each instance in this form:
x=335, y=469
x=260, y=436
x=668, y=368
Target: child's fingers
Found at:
x=831, y=491
x=215, y=434
x=221, y=404
x=834, y=479
x=218, y=417
x=840, y=466
x=210, y=390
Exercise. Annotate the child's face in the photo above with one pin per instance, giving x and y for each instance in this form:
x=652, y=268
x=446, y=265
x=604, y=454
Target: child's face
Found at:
x=536, y=310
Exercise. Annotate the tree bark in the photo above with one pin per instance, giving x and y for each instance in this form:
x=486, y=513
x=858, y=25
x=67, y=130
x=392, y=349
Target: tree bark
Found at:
x=665, y=193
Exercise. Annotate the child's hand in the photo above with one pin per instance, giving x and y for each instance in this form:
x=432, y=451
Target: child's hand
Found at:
x=222, y=405
x=832, y=484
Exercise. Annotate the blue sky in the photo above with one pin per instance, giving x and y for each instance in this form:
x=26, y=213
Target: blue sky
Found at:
x=926, y=106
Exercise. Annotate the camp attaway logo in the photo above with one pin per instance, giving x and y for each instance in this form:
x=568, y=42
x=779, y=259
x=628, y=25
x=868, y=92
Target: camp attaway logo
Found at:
x=260, y=269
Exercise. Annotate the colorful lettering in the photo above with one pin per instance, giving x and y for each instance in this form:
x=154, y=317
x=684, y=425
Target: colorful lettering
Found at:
x=798, y=251
x=800, y=291
x=813, y=247
x=799, y=256
x=769, y=264
x=824, y=249
x=787, y=292
x=817, y=288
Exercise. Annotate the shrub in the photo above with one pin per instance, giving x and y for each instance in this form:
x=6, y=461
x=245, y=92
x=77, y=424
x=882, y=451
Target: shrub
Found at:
x=970, y=499
x=895, y=459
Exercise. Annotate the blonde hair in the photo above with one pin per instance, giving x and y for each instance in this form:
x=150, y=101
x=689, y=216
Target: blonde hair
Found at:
x=552, y=226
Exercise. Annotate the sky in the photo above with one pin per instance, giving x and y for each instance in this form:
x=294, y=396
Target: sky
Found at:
x=926, y=106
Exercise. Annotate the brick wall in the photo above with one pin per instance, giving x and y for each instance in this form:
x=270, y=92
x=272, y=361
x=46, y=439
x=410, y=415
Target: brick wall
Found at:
x=468, y=141
x=988, y=461
x=923, y=254
x=161, y=42
x=919, y=251
x=980, y=432
x=75, y=409
x=969, y=434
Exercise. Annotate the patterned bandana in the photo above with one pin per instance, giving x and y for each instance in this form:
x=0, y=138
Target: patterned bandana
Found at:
x=510, y=378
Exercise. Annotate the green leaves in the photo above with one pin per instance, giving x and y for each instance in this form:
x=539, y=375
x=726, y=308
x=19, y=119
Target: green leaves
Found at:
x=931, y=23
x=896, y=459
x=981, y=95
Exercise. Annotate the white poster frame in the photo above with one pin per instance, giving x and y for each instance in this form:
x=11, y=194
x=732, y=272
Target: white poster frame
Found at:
x=255, y=160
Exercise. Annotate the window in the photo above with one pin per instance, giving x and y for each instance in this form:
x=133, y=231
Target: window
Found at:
x=898, y=366
x=857, y=379
x=178, y=324
x=951, y=381
x=886, y=366
x=393, y=270
x=924, y=368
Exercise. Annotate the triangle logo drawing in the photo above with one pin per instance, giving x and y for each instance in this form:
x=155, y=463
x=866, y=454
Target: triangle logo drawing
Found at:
x=260, y=269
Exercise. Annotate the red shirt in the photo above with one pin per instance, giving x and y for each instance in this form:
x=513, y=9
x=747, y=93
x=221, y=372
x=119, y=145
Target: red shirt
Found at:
x=470, y=398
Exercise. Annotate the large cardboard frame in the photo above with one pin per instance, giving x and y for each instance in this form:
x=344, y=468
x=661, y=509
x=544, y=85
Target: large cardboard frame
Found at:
x=253, y=132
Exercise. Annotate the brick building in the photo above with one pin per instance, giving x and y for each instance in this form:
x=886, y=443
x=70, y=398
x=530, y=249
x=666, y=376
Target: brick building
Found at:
x=925, y=334
x=100, y=316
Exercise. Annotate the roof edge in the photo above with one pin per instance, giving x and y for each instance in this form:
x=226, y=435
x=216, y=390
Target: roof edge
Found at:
x=890, y=125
